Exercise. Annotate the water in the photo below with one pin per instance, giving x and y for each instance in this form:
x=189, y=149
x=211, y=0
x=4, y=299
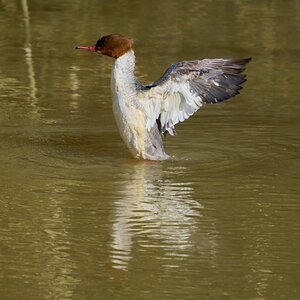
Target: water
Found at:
x=80, y=219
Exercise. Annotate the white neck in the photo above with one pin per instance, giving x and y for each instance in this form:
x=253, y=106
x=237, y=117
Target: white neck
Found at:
x=123, y=71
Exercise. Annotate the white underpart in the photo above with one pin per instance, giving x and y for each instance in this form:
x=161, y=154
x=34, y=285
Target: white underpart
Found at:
x=130, y=120
x=130, y=115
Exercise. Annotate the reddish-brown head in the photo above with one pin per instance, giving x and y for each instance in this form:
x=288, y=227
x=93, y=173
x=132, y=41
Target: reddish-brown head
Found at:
x=114, y=45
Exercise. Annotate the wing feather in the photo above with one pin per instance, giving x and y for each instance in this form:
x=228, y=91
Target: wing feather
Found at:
x=186, y=86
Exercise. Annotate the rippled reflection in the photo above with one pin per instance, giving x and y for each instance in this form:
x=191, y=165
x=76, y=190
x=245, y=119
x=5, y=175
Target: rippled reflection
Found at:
x=28, y=55
x=153, y=208
x=59, y=267
x=74, y=87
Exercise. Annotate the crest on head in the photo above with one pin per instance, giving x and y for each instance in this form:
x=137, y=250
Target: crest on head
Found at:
x=114, y=45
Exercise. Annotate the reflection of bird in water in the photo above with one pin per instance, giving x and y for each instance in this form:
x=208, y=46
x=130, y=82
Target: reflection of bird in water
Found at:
x=154, y=211
x=144, y=113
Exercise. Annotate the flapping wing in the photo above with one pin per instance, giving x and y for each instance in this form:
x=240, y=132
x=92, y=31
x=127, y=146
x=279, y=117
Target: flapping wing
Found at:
x=186, y=86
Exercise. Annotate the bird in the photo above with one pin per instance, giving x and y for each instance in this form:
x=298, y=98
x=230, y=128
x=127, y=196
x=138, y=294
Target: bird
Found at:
x=146, y=113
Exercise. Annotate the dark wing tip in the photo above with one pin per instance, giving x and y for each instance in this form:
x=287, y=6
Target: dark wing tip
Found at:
x=241, y=61
x=229, y=81
x=237, y=65
x=245, y=61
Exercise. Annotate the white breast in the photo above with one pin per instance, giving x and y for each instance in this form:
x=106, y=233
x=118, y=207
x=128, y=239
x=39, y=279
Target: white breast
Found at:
x=130, y=120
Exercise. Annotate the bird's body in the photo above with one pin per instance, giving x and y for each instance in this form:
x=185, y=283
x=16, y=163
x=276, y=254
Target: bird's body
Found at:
x=144, y=113
x=129, y=113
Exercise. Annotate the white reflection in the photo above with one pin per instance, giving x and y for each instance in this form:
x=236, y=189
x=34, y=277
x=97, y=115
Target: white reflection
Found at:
x=155, y=209
x=74, y=86
x=59, y=268
x=28, y=56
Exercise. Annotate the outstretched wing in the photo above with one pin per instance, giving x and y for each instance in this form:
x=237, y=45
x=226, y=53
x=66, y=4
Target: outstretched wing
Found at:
x=186, y=86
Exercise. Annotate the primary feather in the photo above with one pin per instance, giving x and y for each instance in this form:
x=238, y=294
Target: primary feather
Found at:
x=186, y=86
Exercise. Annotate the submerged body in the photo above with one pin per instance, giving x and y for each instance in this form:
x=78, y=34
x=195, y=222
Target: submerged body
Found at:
x=145, y=113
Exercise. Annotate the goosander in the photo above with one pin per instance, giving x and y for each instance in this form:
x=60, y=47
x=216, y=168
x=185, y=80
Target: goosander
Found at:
x=145, y=113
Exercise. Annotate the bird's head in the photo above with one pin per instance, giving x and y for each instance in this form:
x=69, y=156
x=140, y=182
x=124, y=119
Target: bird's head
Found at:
x=114, y=45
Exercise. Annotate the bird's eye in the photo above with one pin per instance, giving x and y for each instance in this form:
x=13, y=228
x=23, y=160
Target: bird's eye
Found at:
x=99, y=43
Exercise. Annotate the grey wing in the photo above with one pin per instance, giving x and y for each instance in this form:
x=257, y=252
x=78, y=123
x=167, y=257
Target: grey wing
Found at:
x=187, y=85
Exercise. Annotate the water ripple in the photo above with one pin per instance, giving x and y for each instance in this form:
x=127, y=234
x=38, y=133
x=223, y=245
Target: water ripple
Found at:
x=153, y=210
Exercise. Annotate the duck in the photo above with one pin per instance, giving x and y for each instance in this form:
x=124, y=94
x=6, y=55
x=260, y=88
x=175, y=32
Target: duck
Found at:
x=146, y=113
